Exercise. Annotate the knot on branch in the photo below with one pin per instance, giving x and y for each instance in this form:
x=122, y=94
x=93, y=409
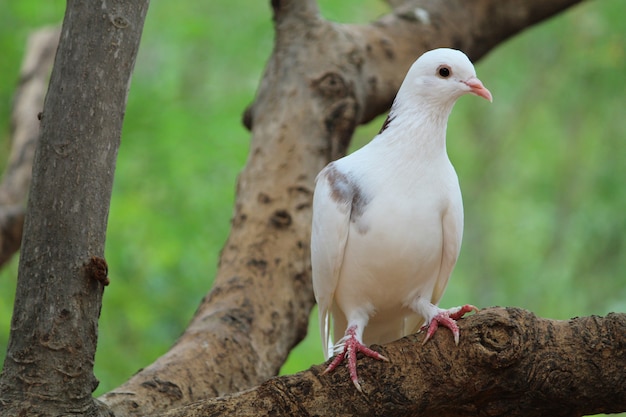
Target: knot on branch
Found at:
x=331, y=85
x=119, y=22
x=170, y=389
x=341, y=110
x=281, y=219
x=97, y=269
x=500, y=337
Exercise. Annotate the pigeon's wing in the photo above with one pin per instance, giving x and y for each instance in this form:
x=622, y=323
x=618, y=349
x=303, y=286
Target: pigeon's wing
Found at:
x=329, y=234
x=452, y=230
x=452, y=227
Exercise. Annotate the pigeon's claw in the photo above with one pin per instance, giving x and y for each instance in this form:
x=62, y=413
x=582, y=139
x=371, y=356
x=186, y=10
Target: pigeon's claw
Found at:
x=447, y=318
x=351, y=346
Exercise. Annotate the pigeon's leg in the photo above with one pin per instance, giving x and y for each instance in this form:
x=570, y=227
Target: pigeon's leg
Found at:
x=351, y=344
x=436, y=316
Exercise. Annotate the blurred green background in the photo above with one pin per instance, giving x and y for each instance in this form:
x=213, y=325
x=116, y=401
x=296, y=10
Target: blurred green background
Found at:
x=542, y=169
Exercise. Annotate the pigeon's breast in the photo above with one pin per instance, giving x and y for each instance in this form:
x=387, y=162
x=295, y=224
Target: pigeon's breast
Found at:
x=393, y=252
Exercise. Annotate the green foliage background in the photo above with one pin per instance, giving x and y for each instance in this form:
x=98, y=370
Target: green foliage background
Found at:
x=543, y=169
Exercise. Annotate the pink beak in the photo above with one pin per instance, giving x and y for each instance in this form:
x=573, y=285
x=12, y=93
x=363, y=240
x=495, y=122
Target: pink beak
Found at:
x=477, y=87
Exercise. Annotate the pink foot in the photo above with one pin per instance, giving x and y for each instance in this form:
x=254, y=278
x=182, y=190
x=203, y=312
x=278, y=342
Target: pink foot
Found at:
x=447, y=318
x=350, y=348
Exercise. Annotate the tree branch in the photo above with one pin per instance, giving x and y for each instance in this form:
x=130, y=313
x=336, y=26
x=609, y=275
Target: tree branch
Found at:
x=391, y=44
x=27, y=104
x=309, y=102
x=509, y=363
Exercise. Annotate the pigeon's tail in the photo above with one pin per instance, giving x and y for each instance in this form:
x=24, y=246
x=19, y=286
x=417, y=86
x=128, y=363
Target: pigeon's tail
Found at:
x=412, y=324
x=389, y=330
x=327, y=343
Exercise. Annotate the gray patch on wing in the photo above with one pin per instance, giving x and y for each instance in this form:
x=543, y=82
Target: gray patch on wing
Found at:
x=344, y=190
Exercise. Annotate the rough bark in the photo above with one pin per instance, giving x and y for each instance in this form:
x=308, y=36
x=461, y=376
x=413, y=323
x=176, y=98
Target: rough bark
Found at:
x=322, y=80
x=27, y=104
x=509, y=363
x=48, y=368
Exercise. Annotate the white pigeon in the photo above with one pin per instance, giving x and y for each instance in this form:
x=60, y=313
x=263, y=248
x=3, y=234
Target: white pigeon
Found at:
x=388, y=219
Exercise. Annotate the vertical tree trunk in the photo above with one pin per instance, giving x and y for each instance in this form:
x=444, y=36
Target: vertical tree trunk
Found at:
x=49, y=364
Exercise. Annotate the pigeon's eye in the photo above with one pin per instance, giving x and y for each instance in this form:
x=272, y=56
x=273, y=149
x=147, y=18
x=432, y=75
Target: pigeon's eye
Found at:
x=444, y=71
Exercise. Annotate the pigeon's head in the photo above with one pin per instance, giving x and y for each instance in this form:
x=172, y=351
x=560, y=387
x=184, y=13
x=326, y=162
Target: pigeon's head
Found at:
x=443, y=75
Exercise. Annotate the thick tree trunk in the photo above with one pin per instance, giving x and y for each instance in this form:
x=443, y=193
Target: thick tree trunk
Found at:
x=322, y=80
x=48, y=368
x=509, y=363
